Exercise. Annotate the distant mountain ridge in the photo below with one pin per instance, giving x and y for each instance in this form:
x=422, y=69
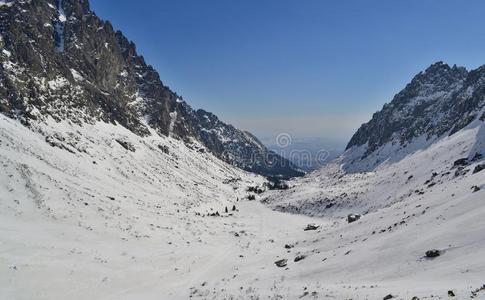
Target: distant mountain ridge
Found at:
x=60, y=60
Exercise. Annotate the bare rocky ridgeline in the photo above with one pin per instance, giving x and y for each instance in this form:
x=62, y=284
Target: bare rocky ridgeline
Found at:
x=60, y=60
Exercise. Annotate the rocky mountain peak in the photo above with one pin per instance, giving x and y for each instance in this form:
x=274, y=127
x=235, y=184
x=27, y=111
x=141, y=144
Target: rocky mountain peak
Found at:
x=440, y=74
x=440, y=100
x=75, y=7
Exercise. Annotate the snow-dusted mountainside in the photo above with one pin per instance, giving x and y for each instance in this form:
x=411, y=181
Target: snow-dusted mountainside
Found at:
x=435, y=120
x=415, y=186
x=439, y=101
x=59, y=59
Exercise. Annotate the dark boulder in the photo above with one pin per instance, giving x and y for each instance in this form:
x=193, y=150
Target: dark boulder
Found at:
x=353, y=217
x=433, y=253
x=281, y=263
x=460, y=162
x=311, y=227
x=479, y=168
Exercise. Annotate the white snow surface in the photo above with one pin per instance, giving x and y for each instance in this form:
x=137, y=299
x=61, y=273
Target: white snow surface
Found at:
x=409, y=205
x=76, y=75
x=62, y=14
x=88, y=219
x=58, y=83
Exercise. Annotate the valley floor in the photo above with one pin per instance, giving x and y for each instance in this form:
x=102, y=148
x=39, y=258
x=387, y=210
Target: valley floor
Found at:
x=103, y=222
x=205, y=259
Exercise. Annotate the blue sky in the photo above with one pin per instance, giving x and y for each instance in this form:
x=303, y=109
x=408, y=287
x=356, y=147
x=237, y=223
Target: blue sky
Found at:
x=310, y=68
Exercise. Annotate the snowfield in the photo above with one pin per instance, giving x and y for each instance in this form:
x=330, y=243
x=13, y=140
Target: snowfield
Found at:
x=409, y=204
x=96, y=212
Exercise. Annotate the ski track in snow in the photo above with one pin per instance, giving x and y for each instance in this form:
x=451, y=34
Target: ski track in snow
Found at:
x=83, y=217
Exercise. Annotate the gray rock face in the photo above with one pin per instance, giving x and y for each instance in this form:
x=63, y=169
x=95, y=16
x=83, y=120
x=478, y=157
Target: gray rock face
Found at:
x=60, y=60
x=441, y=100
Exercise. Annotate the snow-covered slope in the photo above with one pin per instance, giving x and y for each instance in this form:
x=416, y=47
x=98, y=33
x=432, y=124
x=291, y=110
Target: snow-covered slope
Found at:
x=77, y=202
x=334, y=192
x=432, y=198
x=98, y=212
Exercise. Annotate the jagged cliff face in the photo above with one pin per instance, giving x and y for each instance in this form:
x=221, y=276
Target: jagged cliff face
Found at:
x=60, y=60
x=439, y=101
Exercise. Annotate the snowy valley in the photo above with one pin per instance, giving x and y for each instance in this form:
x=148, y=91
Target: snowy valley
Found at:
x=113, y=187
x=95, y=211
